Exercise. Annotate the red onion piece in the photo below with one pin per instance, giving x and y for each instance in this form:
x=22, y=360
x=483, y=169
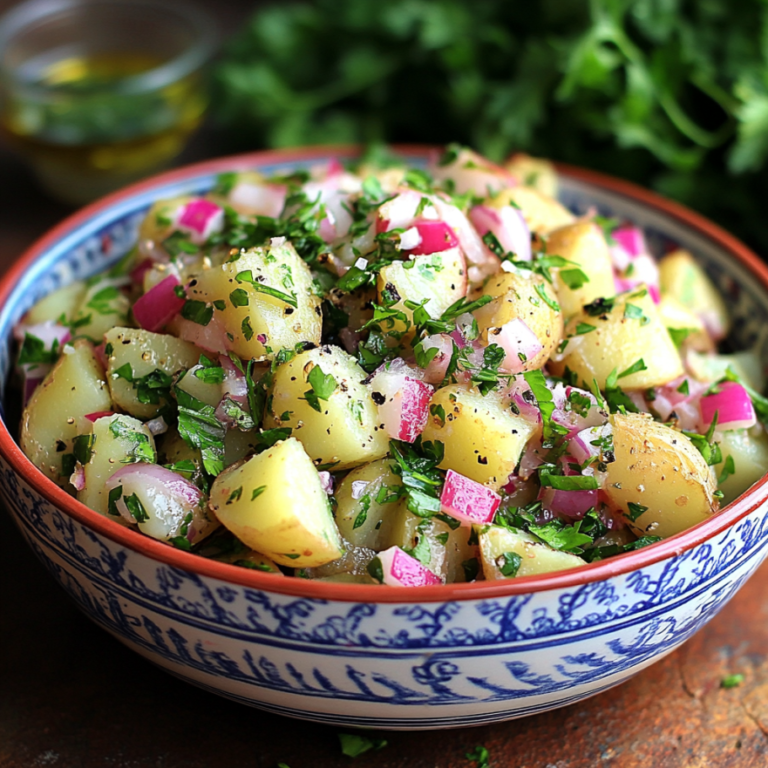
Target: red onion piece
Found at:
x=399, y=569
x=405, y=407
x=141, y=269
x=211, y=337
x=436, y=237
x=471, y=172
x=155, y=474
x=33, y=381
x=326, y=481
x=519, y=342
x=200, y=218
x=508, y=225
x=256, y=199
x=159, y=305
x=733, y=406
x=98, y=415
x=435, y=371
x=77, y=478
x=569, y=503
x=467, y=500
x=47, y=332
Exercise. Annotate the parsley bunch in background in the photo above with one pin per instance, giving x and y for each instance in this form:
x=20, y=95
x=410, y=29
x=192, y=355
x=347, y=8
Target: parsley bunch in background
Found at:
x=670, y=93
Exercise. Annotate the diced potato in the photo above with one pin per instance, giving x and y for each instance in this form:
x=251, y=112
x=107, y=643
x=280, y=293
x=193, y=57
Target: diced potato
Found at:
x=440, y=279
x=63, y=301
x=117, y=440
x=258, y=320
x=684, y=279
x=631, y=330
x=657, y=468
x=363, y=521
x=275, y=503
x=689, y=325
x=483, y=439
x=443, y=548
x=55, y=414
x=344, y=432
x=146, y=353
x=534, y=172
x=748, y=450
x=102, y=307
x=541, y=212
x=583, y=244
x=158, y=223
x=516, y=296
x=535, y=557
x=354, y=562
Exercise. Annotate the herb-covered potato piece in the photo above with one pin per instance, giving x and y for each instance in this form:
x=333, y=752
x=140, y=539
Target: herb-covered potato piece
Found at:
x=482, y=439
x=683, y=278
x=61, y=303
x=264, y=299
x=583, y=244
x=55, y=414
x=536, y=172
x=367, y=501
x=625, y=335
x=506, y=553
x=525, y=297
x=117, y=440
x=141, y=366
x=659, y=480
x=103, y=306
x=684, y=326
x=320, y=396
x=439, y=279
x=275, y=503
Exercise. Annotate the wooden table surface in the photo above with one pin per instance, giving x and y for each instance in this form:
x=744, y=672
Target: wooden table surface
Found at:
x=72, y=697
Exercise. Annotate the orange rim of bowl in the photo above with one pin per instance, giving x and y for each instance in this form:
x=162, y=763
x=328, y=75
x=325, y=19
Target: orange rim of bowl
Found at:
x=748, y=502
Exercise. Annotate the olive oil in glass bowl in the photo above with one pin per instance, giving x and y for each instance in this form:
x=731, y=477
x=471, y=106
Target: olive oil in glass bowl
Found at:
x=99, y=93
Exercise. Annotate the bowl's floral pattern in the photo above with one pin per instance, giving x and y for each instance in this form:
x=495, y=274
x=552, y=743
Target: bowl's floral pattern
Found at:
x=393, y=665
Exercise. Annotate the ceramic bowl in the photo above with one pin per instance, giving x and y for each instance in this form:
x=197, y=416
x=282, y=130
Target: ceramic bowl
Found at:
x=384, y=657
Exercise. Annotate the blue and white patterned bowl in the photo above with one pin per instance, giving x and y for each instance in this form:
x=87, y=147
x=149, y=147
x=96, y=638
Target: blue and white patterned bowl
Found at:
x=371, y=656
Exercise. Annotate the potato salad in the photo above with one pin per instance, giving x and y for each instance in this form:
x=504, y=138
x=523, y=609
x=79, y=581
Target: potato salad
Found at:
x=377, y=373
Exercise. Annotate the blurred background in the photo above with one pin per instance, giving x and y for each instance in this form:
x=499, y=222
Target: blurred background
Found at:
x=668, y=93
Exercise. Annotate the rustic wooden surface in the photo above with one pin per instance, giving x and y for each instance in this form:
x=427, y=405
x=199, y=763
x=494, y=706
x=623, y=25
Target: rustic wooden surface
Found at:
x=73, y=697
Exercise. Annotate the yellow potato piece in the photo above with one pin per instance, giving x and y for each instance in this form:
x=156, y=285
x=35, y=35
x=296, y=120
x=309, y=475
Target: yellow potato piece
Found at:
x=345, y=432
x=535, y=557
x=516, y=296
x=55, y=414
x=630, y=331
x=541, y=212
x=583, y=244
x=274, y=503
x=659, y=468
x=483, y=439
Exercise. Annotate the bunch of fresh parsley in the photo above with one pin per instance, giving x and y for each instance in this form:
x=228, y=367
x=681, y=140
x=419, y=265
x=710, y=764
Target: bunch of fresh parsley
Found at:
x=670, y=93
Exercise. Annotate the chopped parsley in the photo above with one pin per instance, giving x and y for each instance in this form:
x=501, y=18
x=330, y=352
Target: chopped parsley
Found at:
x=323, y=386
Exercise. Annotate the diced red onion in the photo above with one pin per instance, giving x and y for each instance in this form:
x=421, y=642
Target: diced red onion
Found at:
x=471, y=172
x=200, y=219
x=211, y=337
x=405, y=409
x=257, y=199
x=358, y=488
x=33, y=381
x=569, y=503
x=519, y=342
x=434, y=237
x=399, y=569
x=435, y=371
x=157, y=426
x=409, y=239
x=400, y=211
x=508, y=225
x=138, y=272
x=326, y=481
x=733, y=407
x=467, y=500
x=159, y=305
x=77, y=478
x=631, y=239
x=581, y=445
x=47, y=332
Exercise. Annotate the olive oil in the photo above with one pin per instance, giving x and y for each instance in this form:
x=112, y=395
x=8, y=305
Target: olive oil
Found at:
x=88, y=125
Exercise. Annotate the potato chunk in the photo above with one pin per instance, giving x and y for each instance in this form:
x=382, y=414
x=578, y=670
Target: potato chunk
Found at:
x=583, y=244
x=63, y=301
x=117, y=440
x=274, y=503
x=103, y=306
x=342, y=430
x=629, y=330
x=55, y=414
x=144, y=352
x=505, y=553
x=267, y=297
x=483, y=439
x=661, y=474
x=542, y=213
x=518, y=296
x=749, y=460
x=439, y=279
x=683, y=278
